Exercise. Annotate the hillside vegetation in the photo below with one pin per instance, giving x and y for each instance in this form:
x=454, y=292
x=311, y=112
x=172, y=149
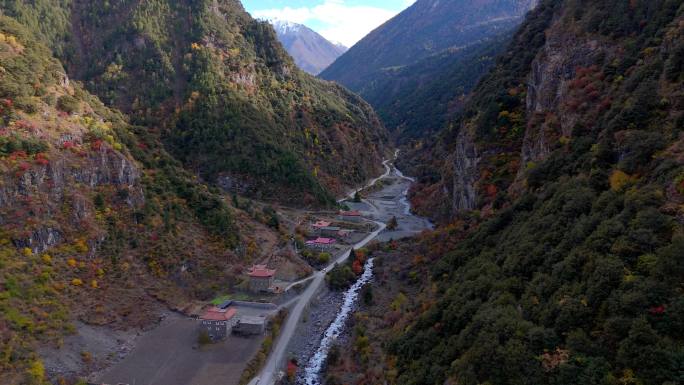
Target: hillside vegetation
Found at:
x=229, y=102
x=98, y=221
x=418, y=100
x=437, y=49
x=560, y=259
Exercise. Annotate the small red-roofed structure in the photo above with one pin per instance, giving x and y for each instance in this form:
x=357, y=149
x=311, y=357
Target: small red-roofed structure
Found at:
x=321, y=243
x=320, y=224
x=260, y=278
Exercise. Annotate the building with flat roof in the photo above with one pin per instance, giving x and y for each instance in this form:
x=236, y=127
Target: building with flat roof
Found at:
x=351, y=216
x=330, y=231
x=250, y=325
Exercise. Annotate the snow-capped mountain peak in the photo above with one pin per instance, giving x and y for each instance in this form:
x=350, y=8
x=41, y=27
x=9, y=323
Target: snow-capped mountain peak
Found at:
x=311, y=51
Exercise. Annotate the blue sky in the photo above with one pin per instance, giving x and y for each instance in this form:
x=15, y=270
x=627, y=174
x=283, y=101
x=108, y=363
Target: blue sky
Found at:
x=343, y=21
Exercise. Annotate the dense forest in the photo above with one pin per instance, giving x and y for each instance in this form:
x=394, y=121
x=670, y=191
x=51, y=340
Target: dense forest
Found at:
x=417, y=68
x=560, y=191
x=97, y=218
x=122, y=126
x=225, y=97
x=416, y=101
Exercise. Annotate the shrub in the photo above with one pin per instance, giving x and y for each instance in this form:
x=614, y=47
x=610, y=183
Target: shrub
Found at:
x=679, y=184
x=26, y=104
x=340, y=277
x=203, y=338
x=392, y=224
x=324, y=257
x=619, y=179
x=36, y=372
x=68, y=104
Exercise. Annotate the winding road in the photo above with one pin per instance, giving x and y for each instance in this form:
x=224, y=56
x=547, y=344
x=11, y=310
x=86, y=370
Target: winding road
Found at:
x=269, y=372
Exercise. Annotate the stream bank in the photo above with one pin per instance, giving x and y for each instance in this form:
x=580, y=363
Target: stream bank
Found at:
x=327, y=315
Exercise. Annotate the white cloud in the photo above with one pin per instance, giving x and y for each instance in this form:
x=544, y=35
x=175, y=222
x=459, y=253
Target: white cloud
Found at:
x=333, y=19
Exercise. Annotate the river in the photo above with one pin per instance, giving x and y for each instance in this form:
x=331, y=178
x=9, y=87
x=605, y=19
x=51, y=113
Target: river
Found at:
x=379, y=206
x=390, y=201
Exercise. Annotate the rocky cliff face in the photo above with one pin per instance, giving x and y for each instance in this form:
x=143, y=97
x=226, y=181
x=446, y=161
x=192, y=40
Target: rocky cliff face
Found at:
x=63, y=185
x=466, y=173
x=570, y=84
x=550, y=90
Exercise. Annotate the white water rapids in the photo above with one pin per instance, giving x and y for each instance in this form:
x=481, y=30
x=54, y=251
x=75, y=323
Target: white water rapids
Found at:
x=313, y=369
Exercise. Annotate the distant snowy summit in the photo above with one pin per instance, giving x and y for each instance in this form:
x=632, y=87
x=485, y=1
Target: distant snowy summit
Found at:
x=285, y=27
x=312, y=52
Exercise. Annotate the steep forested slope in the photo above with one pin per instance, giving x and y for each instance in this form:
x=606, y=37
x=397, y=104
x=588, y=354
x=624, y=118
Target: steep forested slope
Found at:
x=425, y=28
x=417, y=100
x=98, y=222
x=426, y=46
x=562, y=260
x=231, y=104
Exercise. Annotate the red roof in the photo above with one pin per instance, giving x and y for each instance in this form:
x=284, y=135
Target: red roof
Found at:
x=261, y=271
x=321, y=224
x=354, y=213
x=321, y=241
x=216, y=314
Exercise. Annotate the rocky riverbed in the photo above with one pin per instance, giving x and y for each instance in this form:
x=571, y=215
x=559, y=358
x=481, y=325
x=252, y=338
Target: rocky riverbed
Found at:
x=381, y=204
x=315, y=321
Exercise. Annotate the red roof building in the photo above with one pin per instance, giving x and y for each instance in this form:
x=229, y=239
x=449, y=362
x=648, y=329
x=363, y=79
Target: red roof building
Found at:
x=260, y=278
x=217, y=314
x=217, y=323
x=320, y=224
x=322, y=243
x=261, y=271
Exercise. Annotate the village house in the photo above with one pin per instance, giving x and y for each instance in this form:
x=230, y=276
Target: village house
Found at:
x=319, y=225
x=248, y=325
x=321, y=243
x=351, y=216
x=260, y=278
x=217, y=322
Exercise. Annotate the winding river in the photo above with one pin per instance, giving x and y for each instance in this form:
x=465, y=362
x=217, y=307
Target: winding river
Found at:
x=380, y=206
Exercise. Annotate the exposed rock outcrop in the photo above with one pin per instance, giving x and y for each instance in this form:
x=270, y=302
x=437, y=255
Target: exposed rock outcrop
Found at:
x=466, y=173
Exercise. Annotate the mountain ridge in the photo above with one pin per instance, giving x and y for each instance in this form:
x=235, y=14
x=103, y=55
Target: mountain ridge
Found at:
x=427, y=40
x=311, y=51
x=426, y=27
x=194, y=57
